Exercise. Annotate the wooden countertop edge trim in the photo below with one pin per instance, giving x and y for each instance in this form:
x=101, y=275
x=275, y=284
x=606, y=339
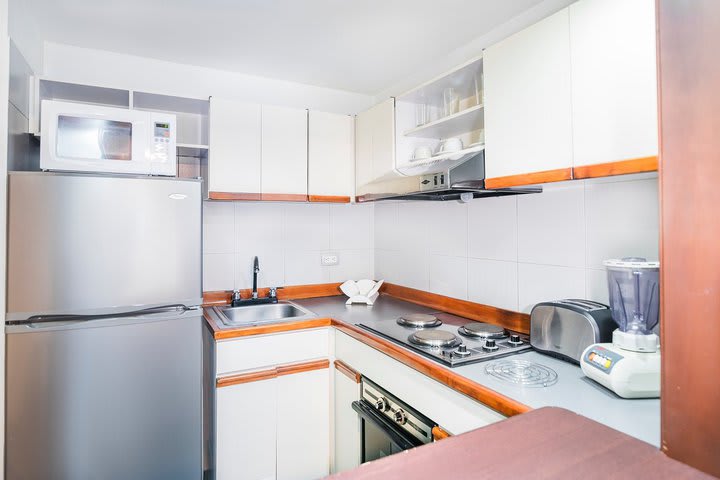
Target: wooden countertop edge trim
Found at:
x=484, y=395
x=221, y=334
x=622, y=167
x=234, y=196
x=347, y=370
x=516, y=321
x=265, y=374
x=439, y=433
x=533, y=178
x=291, y=292
x=328, y=198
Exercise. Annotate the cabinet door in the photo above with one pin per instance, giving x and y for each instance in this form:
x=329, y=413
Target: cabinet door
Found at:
x=375, y=143
x=347, y=423
x=234, y=157
x=284, y=151
x=246, y=417
x=614, y=80
x=303, y=426
x=331, y=155
x=527, y=105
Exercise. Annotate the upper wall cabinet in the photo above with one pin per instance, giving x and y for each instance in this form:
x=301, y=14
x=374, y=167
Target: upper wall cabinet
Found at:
x=331, y=157
x=375, y=144
x=235, y=160
x=528, y=131
x=614, y=86
x=284, y=153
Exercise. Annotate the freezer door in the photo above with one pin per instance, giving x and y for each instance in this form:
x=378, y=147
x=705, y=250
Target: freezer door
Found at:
x=92, y=244
x=107, y=400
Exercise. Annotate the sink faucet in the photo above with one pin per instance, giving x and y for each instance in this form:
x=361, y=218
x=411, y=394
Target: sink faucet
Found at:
x=256, y=270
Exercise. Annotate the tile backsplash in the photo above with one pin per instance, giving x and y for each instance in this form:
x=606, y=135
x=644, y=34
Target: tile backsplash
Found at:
x=510, y=252
x=513, y=252
x=289, y=240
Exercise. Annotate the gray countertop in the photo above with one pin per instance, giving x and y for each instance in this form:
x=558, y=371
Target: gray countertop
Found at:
x=573, y=391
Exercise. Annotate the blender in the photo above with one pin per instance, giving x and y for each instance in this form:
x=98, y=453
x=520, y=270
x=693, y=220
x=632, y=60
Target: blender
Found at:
x=630, y=365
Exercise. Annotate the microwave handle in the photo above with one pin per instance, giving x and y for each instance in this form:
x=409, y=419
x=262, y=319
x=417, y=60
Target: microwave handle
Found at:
x=405, y=442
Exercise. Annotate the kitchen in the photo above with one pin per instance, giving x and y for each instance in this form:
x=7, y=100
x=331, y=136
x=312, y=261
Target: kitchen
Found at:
x=289, y=261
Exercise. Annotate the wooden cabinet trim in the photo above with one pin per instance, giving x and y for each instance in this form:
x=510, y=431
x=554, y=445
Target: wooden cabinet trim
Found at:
x=516, y=321
x=234, y=196
x=283, y=197
x=301, y=367
x=348, y=371
x=547, y=176
x=439, y=433
x=265, y=374
x=622, y=167
x=328, y=198
x=247, y=377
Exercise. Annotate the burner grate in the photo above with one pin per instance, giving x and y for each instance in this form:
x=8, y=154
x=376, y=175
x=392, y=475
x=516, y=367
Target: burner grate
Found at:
x=522, y=372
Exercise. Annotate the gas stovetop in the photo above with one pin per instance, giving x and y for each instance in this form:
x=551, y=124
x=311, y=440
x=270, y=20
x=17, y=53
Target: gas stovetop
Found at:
x=450, y=344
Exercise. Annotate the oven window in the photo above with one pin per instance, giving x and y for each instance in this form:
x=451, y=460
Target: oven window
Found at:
x=93, y=139
x=376, y=443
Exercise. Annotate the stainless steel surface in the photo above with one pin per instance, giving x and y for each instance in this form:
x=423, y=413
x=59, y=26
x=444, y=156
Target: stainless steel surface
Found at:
x=441, y=343
x=420, y=320
x=448, y=184
x=482, y=330
x=434, y=338
x=94, y=244
x=261, y=314
x=521, y=372
x=565, y=328
x=111, y=400
x=398, y=412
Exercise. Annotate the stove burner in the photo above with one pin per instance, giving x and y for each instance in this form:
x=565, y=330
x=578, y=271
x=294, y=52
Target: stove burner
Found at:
x=419, y=320
x=481, y=330
x=434, y=338
x=522, y=372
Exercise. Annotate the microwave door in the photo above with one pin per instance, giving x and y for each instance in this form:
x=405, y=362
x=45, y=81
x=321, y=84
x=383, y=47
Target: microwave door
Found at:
x=115, y=140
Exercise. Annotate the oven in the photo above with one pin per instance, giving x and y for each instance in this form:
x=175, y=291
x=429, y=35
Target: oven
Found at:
x=388, y=425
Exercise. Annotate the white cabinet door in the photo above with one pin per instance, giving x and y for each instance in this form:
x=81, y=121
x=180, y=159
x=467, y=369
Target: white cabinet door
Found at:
x=375, y=143
x=331, y=154
x=246, y=416
x=284, y=150
x=527, y=100
x=234, y=158
x=303, y=425
x=347, y=424
x=614, y=80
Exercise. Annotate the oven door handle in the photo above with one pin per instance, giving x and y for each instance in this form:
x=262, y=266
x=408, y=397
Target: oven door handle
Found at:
x=405, y=442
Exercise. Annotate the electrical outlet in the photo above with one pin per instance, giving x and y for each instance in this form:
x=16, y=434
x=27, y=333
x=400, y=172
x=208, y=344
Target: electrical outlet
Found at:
x=329, y=259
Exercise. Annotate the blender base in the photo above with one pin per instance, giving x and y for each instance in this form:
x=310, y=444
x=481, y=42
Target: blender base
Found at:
x=628, y=374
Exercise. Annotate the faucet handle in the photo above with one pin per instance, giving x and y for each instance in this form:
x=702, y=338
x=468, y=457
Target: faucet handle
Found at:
x=273, y=292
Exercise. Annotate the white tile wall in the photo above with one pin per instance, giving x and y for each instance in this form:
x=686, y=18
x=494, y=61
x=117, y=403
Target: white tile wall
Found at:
x=513, y=252
x=510, y=252
x=288, y=239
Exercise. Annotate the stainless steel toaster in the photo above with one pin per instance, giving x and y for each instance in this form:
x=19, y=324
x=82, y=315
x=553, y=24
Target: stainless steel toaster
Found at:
x=564, y=328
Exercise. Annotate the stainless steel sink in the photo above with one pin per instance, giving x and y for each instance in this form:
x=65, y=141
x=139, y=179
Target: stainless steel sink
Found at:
x=261, y=314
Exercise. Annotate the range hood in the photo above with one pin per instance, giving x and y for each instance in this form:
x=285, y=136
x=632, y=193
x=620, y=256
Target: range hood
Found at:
x=448, y=181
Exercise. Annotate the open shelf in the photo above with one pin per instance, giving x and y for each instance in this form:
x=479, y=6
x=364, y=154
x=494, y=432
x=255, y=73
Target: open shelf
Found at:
x=452, y=125
x=191, y=150
x=462, y=79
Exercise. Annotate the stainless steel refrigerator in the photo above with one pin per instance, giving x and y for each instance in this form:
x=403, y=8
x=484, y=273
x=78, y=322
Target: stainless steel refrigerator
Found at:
x=104, y=330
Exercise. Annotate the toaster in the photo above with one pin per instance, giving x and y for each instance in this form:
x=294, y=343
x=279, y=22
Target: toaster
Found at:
x=565, y=328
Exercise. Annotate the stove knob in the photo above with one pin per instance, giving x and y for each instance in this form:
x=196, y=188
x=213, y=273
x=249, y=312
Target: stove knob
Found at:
x=515, y=339
x=382, y=404
x=462, y=349
x=490, y=345
x=400, y=417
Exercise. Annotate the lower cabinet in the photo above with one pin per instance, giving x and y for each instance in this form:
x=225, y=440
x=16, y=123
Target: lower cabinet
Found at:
x=247, y=430
x=347, y=423
x=303, y=425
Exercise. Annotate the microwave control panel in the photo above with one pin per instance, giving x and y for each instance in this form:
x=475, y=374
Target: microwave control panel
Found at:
x=162, y=143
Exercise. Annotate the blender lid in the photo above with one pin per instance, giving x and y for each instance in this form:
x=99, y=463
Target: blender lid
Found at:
x=631, y=262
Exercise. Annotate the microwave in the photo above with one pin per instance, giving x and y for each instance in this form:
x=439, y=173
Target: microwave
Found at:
x=78, y=137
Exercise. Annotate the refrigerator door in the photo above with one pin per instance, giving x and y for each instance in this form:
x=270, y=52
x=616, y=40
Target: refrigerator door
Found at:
x=87, y=244
x=106, y=399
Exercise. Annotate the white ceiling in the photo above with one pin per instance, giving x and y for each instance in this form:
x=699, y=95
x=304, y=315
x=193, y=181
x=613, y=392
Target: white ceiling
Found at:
x=355, y=45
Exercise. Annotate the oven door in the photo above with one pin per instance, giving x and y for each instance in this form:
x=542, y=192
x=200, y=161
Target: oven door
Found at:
x=380, y=437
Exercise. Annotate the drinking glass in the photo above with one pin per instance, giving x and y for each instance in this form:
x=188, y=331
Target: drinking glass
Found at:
x=451, y=101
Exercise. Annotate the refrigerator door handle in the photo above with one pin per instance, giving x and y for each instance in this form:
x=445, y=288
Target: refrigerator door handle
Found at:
x=37, y=320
